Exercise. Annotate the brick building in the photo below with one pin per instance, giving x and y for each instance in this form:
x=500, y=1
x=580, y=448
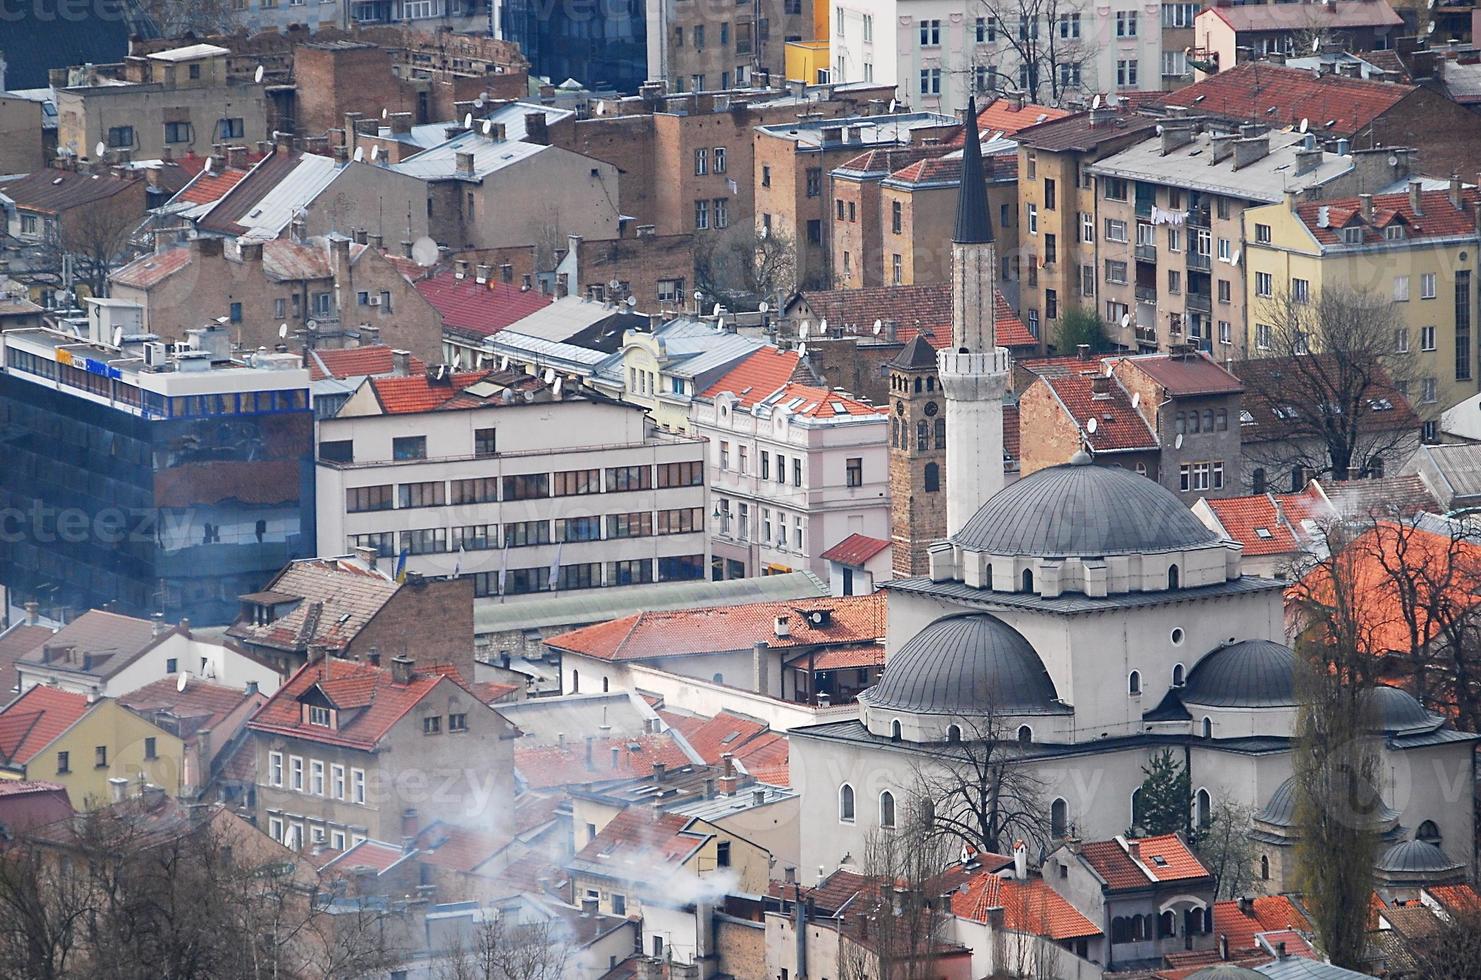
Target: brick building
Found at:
x=917, y=458
x=703, y=47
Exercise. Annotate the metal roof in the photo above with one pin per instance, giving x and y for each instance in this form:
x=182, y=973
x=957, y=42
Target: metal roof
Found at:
x=1248, y=674
x=691, y=348
x=274, y=210
x=1191, y=166
x=189, y=53
x=1072, y=603
x=563, y=319
x=973, y=222
x=1417, y=856
x=489, y=156
x=1301, y=968
x=1400, y=713
x=511, y=116
x=546, y=352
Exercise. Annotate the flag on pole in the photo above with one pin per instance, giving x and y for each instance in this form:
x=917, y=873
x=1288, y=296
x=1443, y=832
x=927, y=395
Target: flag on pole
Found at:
x=504, y=563
x=401, y=563
x=458, y=565
x=555, y=566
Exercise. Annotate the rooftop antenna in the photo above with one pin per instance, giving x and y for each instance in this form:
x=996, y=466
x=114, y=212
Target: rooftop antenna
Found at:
x=181, y=681
x=359, y=154
x=878, y=326
x=282, y=330
x=257, y=75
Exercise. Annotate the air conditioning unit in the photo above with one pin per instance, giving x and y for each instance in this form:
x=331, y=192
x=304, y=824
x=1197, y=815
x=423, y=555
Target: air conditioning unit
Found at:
x=374, y=301
x=156, y=355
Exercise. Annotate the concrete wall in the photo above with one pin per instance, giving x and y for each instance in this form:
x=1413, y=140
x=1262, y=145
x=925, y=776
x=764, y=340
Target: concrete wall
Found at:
x=21, y=149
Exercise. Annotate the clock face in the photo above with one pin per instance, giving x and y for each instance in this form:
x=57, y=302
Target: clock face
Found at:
x=931, y=408
x=899, y=408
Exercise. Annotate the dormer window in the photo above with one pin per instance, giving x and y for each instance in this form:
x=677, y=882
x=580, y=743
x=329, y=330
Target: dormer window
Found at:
x=1394, y=233
x=320, y=716
x=1352, y=236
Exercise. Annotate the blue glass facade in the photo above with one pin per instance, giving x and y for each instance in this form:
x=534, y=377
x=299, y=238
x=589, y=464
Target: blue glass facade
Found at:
x=600, y=44
x=177, y=510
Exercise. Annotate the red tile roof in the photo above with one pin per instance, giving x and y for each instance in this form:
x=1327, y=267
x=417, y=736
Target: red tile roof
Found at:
x=1438, y=217
x=1338, y=15
x=491, y=692
x=1249, y=90
x=205, y=188
x=1455, y=898
x=822, y=403
x=457, y=848
x=1196, y=374
x=767, y=758
x=855, y=549
x=148, y=271
x=1003, y=116
x=377, y=855
x=756, y=375
x=1262, y=522
x=346, y=594
x=202, y=705
x=355, y=362
x=1028, y=906
x=478, y=310
x=1267, y=378
x=52, y=191
x=1011, y=441
x=996, y=168
x=1135, y=863
x=645, y=635
x=840, y=658
x=416, y=393
x=1118, y=426
x=726, y=732
x=547, y=766
x=886, y=159
x=1266, y=913
x=348, y=685
x=637, y=839
x=30, y=722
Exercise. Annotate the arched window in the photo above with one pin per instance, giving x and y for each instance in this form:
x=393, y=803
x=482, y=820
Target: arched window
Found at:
x=1172, y=576
x=1059, y=818
x=940, y=433
x=1208, y=727
x=846, y=803
x=1208, y=420
x=1119, y=932
x=718, y=678
x=895, y=730
x=933, y=477
x=953, y=733
x=1136, y=808
x=1205, y=812
x=606, y=685
x=894, y=432
x=930, y=382
x=1134, y=683
x=1428, y=832
x=1264, y=867
x=1025, y=735
x=887, y=809
x=1257, y=479
x=1167, y=924
x=1177, y=675
x=575, y=682
x=922, y=435
x=917, y=384
x=1028, y=580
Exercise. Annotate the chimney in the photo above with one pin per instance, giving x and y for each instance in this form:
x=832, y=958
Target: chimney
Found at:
x=410, y=826
x=590, y=742
x=400, y=123
x=1414, y=202
x=1280, y=950
x=1246, y=906
x=1455, y=199
x=463, y=166
x=1248, y=149
x=562, y=284
x=710, y=788
x=157, y=624
x=588, y=902
x=366, y=555
x=760, y=661
x=251, y=689
x=1307, y=160
x=616, y=758
x=481, y=274
x=1082, y=351
x=1020, y=860
x=1134, y=848
x=118, y=789
x=1100, y=386
x=401, y=669
x=536, y=129
x=153, y=795
x=250, y=252
x=659, y=771
x=33, y=613
x=460, y=268
x=758, y=797
x=236, y=157
x=362, y=237
x=1176, y=136
x=1223, y=946
x=1365, y=205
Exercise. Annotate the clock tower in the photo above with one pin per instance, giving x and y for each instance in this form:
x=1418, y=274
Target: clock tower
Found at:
x=917, y=457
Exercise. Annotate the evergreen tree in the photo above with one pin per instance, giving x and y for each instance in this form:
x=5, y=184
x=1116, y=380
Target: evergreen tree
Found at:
x=1080, y=325
x=1163, y=802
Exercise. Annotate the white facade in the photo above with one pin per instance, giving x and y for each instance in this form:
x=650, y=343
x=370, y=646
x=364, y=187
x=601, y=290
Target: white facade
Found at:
x=789, y=484
x=586, y=488
x=173, y=655
x=931, y=50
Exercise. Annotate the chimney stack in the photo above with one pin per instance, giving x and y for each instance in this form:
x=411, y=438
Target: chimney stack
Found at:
x=33, y=613
x=402, y=669
x=118, y=789
x=1365, y=205
x=590, y=742
x=1415, y=204
x=157, y=624
x=1455, y=198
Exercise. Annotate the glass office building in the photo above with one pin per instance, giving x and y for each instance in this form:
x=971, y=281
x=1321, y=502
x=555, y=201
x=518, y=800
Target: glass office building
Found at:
x=601, y=45
x=150, y=481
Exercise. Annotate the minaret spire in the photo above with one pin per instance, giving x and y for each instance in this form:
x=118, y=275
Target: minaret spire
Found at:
x=973, y=220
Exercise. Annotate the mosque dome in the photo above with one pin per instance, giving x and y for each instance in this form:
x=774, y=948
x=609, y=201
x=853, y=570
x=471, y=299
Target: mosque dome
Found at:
x=1248, y=674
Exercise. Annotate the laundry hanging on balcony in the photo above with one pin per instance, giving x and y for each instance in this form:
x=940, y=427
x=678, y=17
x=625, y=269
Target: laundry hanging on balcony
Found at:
x=1162, y=217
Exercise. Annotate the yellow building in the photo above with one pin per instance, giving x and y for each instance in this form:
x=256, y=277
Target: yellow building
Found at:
x=62, y=737
x=1417, y=248
x=663, y=371
x=807, y=61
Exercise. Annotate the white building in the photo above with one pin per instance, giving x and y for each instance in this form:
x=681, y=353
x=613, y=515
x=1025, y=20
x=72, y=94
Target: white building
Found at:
x=937, y=52
x=496, y=476
x=795, y=468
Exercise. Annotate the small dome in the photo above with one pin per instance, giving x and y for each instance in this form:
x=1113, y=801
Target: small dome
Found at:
x=962, y=664
x=1081, y=510
x=1416, y=857
x=1280, y=811
x=1227, y=971
x=1249, y=674
x=1400, y=713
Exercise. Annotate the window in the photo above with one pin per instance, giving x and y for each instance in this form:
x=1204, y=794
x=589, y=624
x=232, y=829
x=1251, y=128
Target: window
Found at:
x=1174, y=63
x=424, y=541
x=670, y=290
x=316, y=777
x=1462, y=325
x=690, y=474
x=357, y=785
x=631, y=571
x=930, y=33
x=337, y=781
x=432, y=494
x=1262, y=336
x=1427, y=338
x=479, y=490
x=701, y=214
x=1180, y=14
x=1204, y=812
x=1134, y=683
x=120, y=137
x=638, y=524
x=1126, y=23
x=869, y=28
x=797, y=471
x=527, y=486
x=1401, y=289
x=522, y=534
x=1025, y=735
x=361, y=499
x=846, y=803
x=1126, y=70
x=1069, y=26
x=722, y=854
x=1264, y=284
x=887, y=810
x=295, y=773
x=484, y=442
x=409, y=447
x=854, y=471
x=930, y=81
x=229, y=129
x=1262, y=234
x=681, y=568
x=319, y=715
x=1401, y=340
x=1115, y=230
x=1427, y=286
x=64, y=764
x=578, y=529
x=177, y=132
x=573, y=483
x=1115, y=271
x=275, y=769
x=1033, y=218
x=1059, y=822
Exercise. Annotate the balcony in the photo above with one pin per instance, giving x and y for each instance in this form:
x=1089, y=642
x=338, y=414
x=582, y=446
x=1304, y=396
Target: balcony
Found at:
x=1146, y=335
x=1146, y=294
x=1198, y=217
x=1200, y=303
x=1200, y=263
x=1146, y=253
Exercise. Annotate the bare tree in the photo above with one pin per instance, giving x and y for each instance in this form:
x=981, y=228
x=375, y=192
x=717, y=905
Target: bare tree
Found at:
x=981, y=792
x=1042, y=36
x=741, y=266
x=173, y=18
x=1454, y=953
x=1332, y=381
x=91, y=241
x=1225, y=848
x=498, y=949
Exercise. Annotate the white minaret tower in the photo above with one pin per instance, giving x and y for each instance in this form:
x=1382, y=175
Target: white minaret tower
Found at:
x=974, y=371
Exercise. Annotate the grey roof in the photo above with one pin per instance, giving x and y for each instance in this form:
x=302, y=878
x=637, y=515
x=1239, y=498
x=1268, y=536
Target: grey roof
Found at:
x=966, y=664
x=720, y=807
x=512, y=117
x=973, y=222
x=274, y=210
x=873, y=130
x=1074, y=602
x=1400, y=713
x=543, y=720
x=1226, y=971
x=1080, y=510
x=1301, y=968
x=489, y=156
x=692, y=347
x=1416, y=857
x=1459, y=465
x=1280, y=811
x=1248, y=674
x=916, y=354
x=1190, y=166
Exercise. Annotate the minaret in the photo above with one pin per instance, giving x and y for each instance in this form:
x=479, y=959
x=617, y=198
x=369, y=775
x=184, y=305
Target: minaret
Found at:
x=974, y=371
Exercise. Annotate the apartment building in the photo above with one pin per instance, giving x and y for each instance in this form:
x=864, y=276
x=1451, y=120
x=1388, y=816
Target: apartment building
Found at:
x=520, y=487
x=1167, y=220
x=1225, y=32
x=795, y=192
x=702, y=47
x=1058, y=201
x=176, y=101
x=938, y=54
x=1417, y=248
x=335, y=745
x=194, y=470
x=794, y=469
x=21, y=148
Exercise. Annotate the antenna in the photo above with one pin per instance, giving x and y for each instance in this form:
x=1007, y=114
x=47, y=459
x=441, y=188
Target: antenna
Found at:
x=117, y=336
x=1091, y=424
x=878, y=326
x=282, y=330
x=100, y=149
x=257, y=75
x=359, y=154
x=802, y=329
x=181, y=681
x=1136, y=398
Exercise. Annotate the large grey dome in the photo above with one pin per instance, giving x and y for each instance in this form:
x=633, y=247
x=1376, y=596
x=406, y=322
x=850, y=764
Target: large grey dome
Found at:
x=1416, y=857
x=1399, y=713
x=1081, y=510
x=1248, y=674
x=963, y=665
x=1227, y=971
x=1280, y=811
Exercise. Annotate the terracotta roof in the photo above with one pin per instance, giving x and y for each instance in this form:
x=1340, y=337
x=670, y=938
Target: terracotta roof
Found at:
x=684, y=723
x=1247, y=91
x=840, y=658
x=767, y=757
x=1263, y=523
x=1028, y=906
x=148, y=271
x=726, y=732
x=1157, y=859
x=1003, y=116
x=997, y=168
x=1388, y=496
x=416, y=393
x=15, y=643
x=1265, y=914
x=680, y=632
x=637, y=839
x=30, y=722
x=355, y=362
x=338, y=597
x=1388, y=411
x=546, y=766
x=829, y=895
x=348, y=685
x=924, y=310
x=457, y=848
x=1455, y=898
x=1188, y=375
x=886, y=159
x=1119, y=427
x=112, y=640
x=478, y=310
x=491, y=692
x=855, y=549
x=53, y=191
x=205, y=188
x=1438, y=217
x=1337, y=15
x=756, y=375
x=202, y=705
x=821, y=403
x=377, y=855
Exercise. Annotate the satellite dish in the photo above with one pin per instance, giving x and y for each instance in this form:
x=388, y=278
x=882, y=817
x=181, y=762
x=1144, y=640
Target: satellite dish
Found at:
x=1393, y=159
x=312, y=324
x=893, y=104
x=802, y=329
x=765, y=307
x=1126, y=319
x=1091, y=425
x=478, y=102
x=375, y=153
x=1177, y=442
x=282, y=330
x=100, y=149
x=550, y=376
x=488, y=126
x=715, y=310
x=207, y=167
x=221, y=319
x=424, y=252
x=633, y=301
x=1430, y=29
x=257, y=75
x=468, y=120
x=1159, y=129
x=720, y=325
x=1316, y=44
x=1095, y=102
x=801, y=350
x=698, y=295
x=117, y=336
x=181, y=681
x=878, y=326
x=384, y=112
x=1305, y=125
x=1235, y=260
x=601, y=108
x=557, y=388
x=483, y=97
x=359, y=154
x=504, y=363
x=457, y=360
x=822, y=326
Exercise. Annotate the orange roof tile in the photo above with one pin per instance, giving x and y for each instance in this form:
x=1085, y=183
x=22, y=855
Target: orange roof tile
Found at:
x=206, y=188
x=1266, y=913
x=356, y=362
x=645, y=635
x=821, y=403
x=1249, y=90
x=476, y=309
x=1437, y=217
x=726, y=732
x=1119, y=427
x=756, y=375
x=637, y=839
x=1003, y=116
x=415, y=393
x=546, y=766
x=840, y=658
x=767, y=757
x=1028, y=906
x=1259, y=523
x=30, y=722
x=1136, y=862
x=150, y=270
x=855, y=549
x=1455, y=898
